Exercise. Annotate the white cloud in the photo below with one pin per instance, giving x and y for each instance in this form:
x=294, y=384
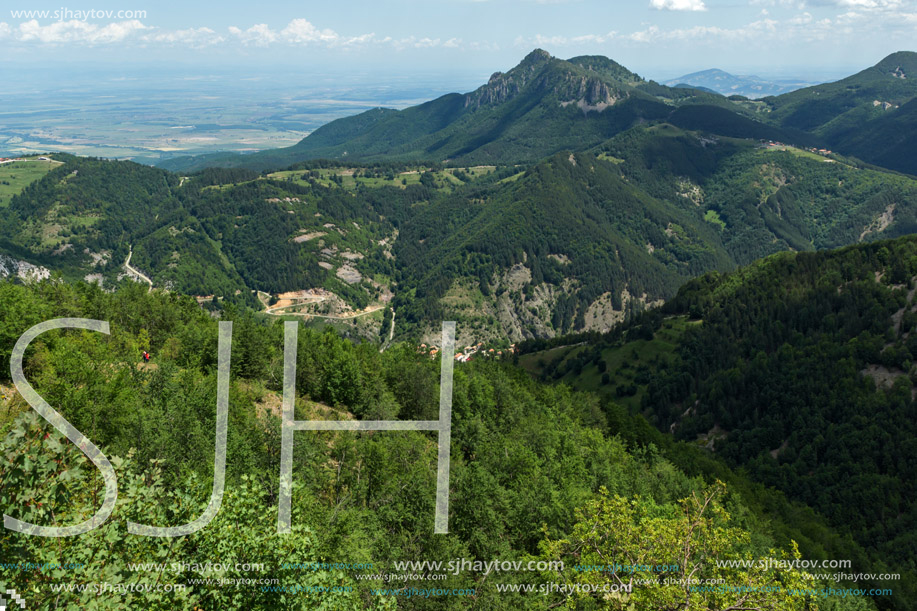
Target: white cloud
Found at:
x=75, y=31
x=800, y=4
x=259, y=35
x=796, y=29
x=540, y=40
x=196, y=38
x=594, y=38
x=300, y=31
x=296, y=32
x=647, y=35
x=755, y=29
x=412, y=42
x=679, y=5
x=849, y=16
x=357, y=40
x=483, y=46
x=861, y=4
x=548, y=41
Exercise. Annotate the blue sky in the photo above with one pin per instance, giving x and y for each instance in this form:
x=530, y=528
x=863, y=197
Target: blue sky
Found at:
x=657, y=38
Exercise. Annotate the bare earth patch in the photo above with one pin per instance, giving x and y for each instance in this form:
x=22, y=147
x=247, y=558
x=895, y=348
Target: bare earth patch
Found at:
x=883, y=377
x=348, y=274
x=309, y=236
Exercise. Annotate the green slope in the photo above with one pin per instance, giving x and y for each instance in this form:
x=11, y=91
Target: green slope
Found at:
x=566, y=234
x=813, y=108
x=541, y=106
x=525, y=458
x=767, y=198
x=576, y=242
x=797, y=369
x=224, y=233
x=888, y=140
x=868, y=114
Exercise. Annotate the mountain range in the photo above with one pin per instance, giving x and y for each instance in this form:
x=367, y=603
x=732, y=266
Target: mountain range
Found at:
x=537, y=108
x=733, y=279
x=546, y=174
x=797, y=369
x=724, y=83
x=546, y=104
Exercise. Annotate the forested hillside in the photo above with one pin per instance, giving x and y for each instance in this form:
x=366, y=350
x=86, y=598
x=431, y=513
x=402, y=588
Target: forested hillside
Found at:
x=525, y=456
x=576, y=242
x=767, y=198
x=798, y=369
x=223, y=232
x=545, y=104
x=869, y=114
x=541, y=106
x=567, y=244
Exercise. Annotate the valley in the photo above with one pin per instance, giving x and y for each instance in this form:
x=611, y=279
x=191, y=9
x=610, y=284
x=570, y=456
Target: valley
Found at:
x=685, y=322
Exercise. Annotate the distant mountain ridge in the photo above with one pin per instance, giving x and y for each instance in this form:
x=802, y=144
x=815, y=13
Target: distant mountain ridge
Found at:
x=545, y=105
x=797, y=369
x=727, y=84
x=562, y=195
x=871, y=114
x=541, y=106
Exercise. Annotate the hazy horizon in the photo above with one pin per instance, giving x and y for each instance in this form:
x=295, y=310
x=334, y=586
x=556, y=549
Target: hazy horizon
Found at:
x=662, y=38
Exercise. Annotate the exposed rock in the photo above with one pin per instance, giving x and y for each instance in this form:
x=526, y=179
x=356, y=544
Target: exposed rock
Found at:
x=349, y=274
x=880, y=223
x=882, y=376
x=309, y=236
x=22, y=269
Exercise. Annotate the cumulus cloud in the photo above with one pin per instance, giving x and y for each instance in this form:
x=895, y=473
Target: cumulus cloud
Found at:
x=413, y=42
x=755, y=30
x=540, y=40
x=801, y=19
x=300, y=31
x=75, y=31
x=259, y=35
x=799, y=28
x=196, y=38
x=679, y=5
x=296, y=32
x=800, y=4
x=861, y=4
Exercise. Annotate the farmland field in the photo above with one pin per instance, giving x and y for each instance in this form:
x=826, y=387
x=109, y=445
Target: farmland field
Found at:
x=16, y=176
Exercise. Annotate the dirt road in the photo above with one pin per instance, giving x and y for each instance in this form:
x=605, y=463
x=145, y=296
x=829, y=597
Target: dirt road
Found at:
x=133, y=271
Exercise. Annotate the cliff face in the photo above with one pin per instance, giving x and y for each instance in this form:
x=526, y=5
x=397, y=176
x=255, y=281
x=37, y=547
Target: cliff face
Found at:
x=502, y=87
x=22, y=269
x=587, y=86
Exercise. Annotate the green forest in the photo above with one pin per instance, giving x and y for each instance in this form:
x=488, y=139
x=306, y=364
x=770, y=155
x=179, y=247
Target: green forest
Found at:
x=706, y=370
x=531, y=465
x=575, y=242
x=797, y=371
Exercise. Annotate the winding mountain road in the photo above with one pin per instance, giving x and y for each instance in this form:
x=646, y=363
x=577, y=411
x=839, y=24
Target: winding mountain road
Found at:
x=136, y=273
